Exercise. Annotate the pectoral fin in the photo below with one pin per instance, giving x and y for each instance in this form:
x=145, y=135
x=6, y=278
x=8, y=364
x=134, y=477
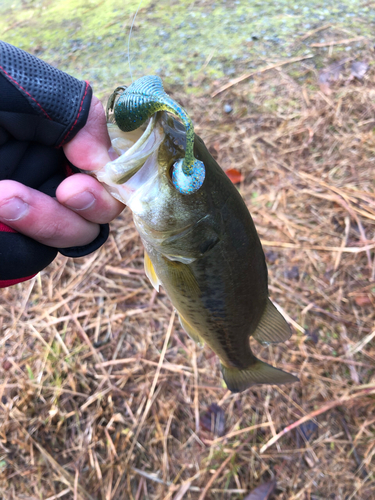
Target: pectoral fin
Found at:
x=272, y=327
x=150, y=272
x=182, y=278
x=196, y=240
x=258, y=373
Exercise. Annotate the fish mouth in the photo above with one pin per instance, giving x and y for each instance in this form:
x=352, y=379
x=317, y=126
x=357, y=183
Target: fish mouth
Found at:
x=135, y=150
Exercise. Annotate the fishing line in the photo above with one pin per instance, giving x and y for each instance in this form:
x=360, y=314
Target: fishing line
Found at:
x=130, y=34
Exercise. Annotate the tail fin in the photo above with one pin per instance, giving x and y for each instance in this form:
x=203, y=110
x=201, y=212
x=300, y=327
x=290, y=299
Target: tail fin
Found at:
x=258, y=373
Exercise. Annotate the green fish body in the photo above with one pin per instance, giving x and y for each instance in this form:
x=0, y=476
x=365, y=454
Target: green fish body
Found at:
x=203, y=249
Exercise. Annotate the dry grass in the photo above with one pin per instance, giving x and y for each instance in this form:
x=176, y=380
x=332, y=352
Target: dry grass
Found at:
x=103, y=395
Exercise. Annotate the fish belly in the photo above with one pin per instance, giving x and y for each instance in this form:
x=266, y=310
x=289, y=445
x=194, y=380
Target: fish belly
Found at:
x=214, y=297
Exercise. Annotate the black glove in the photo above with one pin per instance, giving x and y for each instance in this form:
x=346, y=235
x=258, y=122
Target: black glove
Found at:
x=41, y=109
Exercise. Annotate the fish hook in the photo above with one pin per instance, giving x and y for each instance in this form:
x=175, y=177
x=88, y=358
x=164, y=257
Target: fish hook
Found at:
x=138, y=102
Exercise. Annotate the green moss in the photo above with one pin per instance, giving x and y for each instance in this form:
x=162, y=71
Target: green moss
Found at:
x=177, y=39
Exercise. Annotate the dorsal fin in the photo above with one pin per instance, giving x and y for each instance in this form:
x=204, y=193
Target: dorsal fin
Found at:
x=272, y=327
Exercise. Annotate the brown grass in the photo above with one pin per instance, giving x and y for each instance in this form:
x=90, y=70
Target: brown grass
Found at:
x=103, y=395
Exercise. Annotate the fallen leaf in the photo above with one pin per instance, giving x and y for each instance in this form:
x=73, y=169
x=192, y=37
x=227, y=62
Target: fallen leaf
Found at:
x=312, y=336
x=362, y=300
x=324, y=87
x=330, y=74
x=7, y=365
x=271, y=256
x=310, y=462
x=308, y=429
x=292, y=273
x=214, y=420
x=358, y=69
x=262, y=492
x=234, y=175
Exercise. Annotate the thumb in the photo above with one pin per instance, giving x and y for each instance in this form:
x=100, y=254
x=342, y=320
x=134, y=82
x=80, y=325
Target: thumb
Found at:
x=88, y=150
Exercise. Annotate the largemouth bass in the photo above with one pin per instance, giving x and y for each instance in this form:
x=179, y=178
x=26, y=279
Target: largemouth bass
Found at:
x=200, y=241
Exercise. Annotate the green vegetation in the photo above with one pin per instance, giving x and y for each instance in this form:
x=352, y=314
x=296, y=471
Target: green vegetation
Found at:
x=177, y=39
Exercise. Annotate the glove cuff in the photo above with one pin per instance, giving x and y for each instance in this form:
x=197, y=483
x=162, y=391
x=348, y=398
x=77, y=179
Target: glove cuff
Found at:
x=21, y=256
x=6, y=283
x=75, y=252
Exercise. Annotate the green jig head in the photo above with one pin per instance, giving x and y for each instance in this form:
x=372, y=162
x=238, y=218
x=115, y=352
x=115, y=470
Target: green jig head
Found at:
x=140, y=101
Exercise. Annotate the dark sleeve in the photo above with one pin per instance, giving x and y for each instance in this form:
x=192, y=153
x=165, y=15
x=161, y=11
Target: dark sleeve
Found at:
x=41, y=108
x=38, y=102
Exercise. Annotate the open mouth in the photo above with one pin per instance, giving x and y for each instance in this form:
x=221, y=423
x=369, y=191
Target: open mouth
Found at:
x=133, y=165
x=133, y=148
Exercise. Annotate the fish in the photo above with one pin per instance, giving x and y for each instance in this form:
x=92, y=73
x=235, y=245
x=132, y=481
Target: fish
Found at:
x=200, y=241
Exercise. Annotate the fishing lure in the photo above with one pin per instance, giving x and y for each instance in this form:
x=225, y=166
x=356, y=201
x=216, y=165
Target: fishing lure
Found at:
x=133, y=105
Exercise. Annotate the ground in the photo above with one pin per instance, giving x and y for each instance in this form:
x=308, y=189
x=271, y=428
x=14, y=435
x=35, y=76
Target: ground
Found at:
x=103, y=396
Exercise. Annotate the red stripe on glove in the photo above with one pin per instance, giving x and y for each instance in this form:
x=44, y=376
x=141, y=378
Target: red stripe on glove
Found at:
x=5, y=283
x=6, y=229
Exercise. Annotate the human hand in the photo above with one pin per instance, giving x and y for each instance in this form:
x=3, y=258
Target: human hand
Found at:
x=48, y=117
x=81, y=204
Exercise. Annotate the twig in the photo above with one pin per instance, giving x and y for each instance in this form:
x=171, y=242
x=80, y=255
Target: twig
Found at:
x=76, y=485
x=338, y=42
x=59, y=495
x=94, y=397
x=196, y=389
x=64, y=475
x=353, y=372
x=344, y=243
x=361, y=344
x=186, y=370
x=152, y=390
x=85, y=337
x=323, y=409
x=261, y=70
x=183, y=489
x=361, y=467
x=313, y=32
x=282, y=244
x=17, y=24
x=332, y=358
x=216, y=475
x=236, y=433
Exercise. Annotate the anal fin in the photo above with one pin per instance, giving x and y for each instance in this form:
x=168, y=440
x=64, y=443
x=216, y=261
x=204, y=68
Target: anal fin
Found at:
x=258, y=373
x=150, y=272
x=190, y=330
x=272, y=327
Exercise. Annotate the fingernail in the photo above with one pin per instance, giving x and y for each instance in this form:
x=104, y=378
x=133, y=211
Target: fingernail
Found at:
x=81, y=201
x=13, y=209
